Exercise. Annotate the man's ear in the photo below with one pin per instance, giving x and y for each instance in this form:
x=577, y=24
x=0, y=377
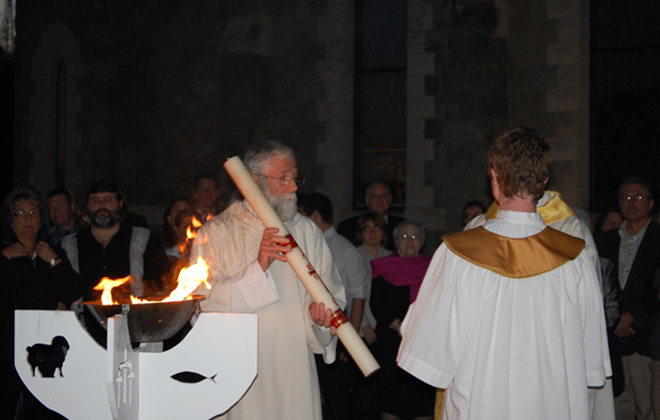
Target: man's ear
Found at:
x=255, y=177
x=493, y=176
x=545, y=182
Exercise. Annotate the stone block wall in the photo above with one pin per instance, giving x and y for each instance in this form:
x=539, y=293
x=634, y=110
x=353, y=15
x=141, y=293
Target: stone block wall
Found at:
x=549, y=85
x=159, y=92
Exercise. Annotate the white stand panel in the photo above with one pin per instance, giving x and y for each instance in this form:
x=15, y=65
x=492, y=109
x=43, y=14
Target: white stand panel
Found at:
x=215, y=363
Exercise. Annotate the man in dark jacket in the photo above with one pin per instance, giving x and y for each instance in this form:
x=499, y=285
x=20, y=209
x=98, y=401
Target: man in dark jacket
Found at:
x=634, y=249
x=379, y=199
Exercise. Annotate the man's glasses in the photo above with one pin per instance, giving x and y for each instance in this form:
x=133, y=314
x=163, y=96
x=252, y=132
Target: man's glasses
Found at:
x=285, y=180
x=24, y=214
x=627, y=199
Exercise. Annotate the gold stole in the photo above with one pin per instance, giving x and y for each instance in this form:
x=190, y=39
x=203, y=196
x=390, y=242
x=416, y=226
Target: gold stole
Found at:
x=515, y=257
x=552, y=211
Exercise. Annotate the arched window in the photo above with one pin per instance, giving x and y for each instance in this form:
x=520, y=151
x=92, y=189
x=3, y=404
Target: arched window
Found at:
x=380, y=97
x=59, y=126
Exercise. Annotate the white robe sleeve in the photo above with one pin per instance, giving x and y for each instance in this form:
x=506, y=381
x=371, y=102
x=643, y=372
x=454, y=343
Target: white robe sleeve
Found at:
x=252, y=289
x=596, y=352
x=436, y=328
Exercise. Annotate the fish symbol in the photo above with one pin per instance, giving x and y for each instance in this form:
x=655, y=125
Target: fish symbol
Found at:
x=191, y=377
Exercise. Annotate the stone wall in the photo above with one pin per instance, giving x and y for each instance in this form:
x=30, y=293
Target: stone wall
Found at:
x=549, y=85
x=159, y=92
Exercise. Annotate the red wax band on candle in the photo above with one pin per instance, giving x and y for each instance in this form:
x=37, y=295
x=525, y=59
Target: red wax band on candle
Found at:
x=292, y=242
x=338, y=318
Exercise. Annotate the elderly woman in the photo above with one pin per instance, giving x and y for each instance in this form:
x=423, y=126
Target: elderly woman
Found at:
x=397, y=279
x=34, y=276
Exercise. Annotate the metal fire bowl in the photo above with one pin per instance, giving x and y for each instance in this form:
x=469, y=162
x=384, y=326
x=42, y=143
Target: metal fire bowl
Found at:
x=148, y=322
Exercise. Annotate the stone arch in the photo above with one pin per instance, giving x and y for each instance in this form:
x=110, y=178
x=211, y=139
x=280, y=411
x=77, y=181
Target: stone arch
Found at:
x=56, y=51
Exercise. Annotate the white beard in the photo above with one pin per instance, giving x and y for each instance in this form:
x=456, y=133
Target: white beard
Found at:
x=285, y=205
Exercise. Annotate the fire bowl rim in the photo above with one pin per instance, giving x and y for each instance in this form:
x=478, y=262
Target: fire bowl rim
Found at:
x=148, y=322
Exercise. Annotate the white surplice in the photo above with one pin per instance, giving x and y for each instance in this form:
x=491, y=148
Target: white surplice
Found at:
x=286, y=386
x=508, y=348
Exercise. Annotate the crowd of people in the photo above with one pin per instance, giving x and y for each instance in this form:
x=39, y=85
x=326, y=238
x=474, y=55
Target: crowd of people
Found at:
x=527, y=313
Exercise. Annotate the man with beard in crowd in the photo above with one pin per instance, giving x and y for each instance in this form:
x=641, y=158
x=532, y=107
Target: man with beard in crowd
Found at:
x=110, y=248
x=249, y=274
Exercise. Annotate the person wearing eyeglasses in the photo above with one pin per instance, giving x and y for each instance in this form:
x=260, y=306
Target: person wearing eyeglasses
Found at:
x=634, y=248
x=206, y=195
x=379, y=199
x=249, y=273
x=33, y=275
x=396, y=282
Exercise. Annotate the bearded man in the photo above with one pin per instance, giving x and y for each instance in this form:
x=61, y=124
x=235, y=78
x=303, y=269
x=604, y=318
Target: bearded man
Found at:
x=110, y=248
x=249, y=274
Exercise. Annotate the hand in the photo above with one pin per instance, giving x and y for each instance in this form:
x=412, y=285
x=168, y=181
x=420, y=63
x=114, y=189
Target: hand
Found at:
x=369, y=334
x=624, y=328
x=16, y=250
x=321, y=316
x=271, y=248
x=624, y=332
x=45, y=252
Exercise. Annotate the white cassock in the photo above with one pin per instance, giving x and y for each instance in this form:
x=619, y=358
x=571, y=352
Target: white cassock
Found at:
x=513, y=327
x=557, y=214
x=286, y=386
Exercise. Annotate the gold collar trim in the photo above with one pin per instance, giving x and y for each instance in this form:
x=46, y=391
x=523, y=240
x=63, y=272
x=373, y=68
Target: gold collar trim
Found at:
x=515, y=257
x=552, y=211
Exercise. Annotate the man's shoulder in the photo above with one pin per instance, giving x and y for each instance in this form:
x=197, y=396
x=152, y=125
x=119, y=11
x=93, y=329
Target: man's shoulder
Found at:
x=654, y=228
x=476, y=222
x=340, y=243
x=235, y=214
x=515, y=257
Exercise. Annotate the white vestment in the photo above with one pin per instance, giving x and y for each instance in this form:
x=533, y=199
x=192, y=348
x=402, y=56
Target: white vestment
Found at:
x=508, y=348
x=286, y=386
x=557, y=214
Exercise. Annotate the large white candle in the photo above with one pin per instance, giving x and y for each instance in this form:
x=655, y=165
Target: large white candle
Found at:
x=301, y=266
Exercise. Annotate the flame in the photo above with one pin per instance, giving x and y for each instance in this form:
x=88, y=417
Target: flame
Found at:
x=107, y=285
x=190, y=234
x=189, y=279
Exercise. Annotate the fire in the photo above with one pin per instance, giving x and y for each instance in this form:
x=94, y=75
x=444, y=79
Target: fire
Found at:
x=190, y=233
x=189, y=279
x=107, y=285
